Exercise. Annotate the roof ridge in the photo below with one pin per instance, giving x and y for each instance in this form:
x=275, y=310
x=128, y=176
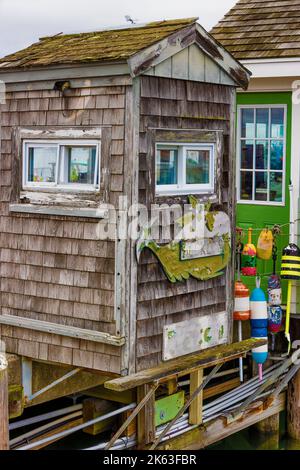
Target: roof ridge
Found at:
x=153, y=24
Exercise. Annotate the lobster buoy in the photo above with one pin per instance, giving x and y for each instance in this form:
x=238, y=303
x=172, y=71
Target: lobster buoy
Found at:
x=275, y=319
x=249, y=258
x=290, y=270
x=265, y=245
x=290, y=267
x=259, y=325
x=241, y=302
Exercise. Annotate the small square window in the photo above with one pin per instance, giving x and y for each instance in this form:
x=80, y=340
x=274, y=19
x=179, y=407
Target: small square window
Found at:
x=185, y=168
x=68, y=165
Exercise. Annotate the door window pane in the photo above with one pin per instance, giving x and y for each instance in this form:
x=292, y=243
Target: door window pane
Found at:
x=277, y=123
x=262, y=123
x=277, y=155
x=248, y=130
x=276, y=185
x=261, y=186
x=262, y=150
x=246, y=185
x=262, y=154
x=42, y=163
x=81, y=163
x=247, y=155
x=166, y=167
x=197, y=166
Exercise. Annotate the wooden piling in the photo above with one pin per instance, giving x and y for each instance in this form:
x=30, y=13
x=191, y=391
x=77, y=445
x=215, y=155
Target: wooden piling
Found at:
x=269, y=425
x=293, y=408
x=4, y=429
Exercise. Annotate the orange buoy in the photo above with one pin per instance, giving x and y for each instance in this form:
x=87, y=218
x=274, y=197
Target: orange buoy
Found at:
x=241, y=302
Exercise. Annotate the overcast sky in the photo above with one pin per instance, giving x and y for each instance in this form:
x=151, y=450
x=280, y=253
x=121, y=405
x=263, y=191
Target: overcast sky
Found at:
x=22, y=22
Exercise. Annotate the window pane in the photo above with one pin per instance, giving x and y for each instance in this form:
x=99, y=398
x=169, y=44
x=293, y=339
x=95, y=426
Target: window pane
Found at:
x=261, y=186
x=277, y=123
x=276, y=184
x=277, y=155
x=197, y=166
x=262, y=155
x=246, y=185
x=247, y=154
x=81, y=164
x=262, y=123
x=166, y=167
x=248, y=130
x=42, y=164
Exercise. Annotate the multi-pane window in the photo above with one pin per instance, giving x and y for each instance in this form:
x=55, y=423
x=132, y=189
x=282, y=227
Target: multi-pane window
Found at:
x=70, y=165
x=184, y=168
x=262, y=154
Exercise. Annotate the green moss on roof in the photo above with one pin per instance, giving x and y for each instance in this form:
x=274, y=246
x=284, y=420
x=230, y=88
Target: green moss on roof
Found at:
x=106, y=46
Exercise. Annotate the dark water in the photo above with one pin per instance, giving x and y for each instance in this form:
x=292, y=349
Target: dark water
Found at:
x=251, y=439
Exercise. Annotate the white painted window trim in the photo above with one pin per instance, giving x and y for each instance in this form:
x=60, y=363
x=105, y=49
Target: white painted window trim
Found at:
x=181, y=188
x=61, y=145
x=238, y=160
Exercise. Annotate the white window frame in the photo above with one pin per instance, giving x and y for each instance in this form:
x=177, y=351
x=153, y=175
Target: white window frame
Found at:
x=181, y=188
x=61, y=176
x=253, y=170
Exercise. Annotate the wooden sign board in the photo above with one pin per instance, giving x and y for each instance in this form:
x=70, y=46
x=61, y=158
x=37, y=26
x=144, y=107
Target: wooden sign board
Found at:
x=202, y=248
x=194, y=335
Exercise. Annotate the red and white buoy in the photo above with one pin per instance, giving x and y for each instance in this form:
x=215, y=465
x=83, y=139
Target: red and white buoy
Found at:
x=242, y=310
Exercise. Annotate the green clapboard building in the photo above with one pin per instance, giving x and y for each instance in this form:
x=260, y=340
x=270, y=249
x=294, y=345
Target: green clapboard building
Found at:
x=266, y=39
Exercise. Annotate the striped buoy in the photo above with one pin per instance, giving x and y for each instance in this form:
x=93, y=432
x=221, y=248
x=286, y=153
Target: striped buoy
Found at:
x=259, y=325
x=249, y=258
x=290, y=267
x=241, y=302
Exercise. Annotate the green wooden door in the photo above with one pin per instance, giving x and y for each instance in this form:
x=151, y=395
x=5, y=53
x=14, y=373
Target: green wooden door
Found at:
x=263, y=169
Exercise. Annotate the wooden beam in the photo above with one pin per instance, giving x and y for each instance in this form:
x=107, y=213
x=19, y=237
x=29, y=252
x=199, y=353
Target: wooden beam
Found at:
x=185, y=365
x=4, y=431
x=293, y=408
x=62, y=330
x=145, y=418
x=59, y=210
x=217, y=430
x=127, y=397
x=187, y=404
x=65, y=72
x=195, y=415
x=221, y=388
x=132, y=416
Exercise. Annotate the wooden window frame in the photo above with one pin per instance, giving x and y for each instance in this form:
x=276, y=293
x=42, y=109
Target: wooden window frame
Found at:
x=187, y=137
x=182, y=188
x=61, y=146
x=268, y=170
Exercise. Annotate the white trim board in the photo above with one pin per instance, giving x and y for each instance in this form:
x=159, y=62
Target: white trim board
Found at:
x=273, y=68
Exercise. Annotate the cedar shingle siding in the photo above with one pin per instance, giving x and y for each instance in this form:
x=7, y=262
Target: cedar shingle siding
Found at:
x=261, y=29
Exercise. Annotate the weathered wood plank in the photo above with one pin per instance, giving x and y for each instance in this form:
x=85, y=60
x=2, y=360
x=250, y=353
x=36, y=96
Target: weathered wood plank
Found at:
x=185, y=365
x=62, y=330
x=195, y=413
x=217, y=430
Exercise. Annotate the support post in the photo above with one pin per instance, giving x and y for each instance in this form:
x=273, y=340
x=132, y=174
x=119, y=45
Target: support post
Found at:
x=195, y=414
x=269, y=425
x=293, y=408
x=145, y=418
x=4, y=429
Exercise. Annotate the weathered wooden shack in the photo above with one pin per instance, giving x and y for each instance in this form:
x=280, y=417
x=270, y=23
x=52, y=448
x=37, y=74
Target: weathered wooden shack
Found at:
x=146, y=113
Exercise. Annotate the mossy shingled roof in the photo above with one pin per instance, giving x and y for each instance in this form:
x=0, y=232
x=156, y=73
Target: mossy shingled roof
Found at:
x=100, y=46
